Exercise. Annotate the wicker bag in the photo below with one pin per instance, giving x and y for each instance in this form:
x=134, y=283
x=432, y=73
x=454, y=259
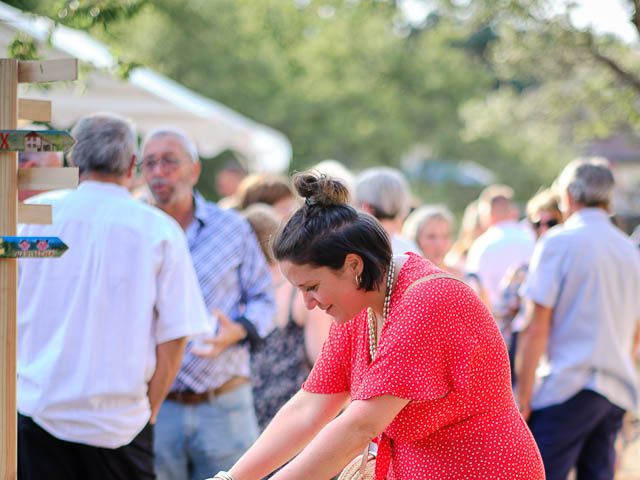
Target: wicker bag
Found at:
x=360, y=468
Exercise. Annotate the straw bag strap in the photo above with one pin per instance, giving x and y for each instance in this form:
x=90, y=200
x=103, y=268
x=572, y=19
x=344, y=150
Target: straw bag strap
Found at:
x=365, y=458
x=433, y=276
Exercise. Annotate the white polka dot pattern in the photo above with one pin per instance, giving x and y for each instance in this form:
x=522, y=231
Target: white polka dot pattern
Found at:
x=441, y=349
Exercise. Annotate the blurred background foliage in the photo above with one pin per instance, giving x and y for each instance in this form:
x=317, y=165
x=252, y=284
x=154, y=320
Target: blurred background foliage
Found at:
x=504, y=84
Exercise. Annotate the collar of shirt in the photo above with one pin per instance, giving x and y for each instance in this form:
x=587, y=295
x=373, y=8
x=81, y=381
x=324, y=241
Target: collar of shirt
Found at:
x=201, y=217
x=103, y=187
x=588, y=215
x=200, y=213
x=507, y=224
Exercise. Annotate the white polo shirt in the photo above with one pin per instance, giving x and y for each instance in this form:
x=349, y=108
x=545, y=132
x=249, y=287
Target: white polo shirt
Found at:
x=89, y=322
x=502, y=247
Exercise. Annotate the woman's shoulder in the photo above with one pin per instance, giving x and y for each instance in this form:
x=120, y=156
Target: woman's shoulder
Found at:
x=414, y=269
x=423, y=287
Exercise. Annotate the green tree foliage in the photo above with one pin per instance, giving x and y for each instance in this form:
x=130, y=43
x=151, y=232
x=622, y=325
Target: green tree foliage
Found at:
x=338, y=78
x=558, y=87
x=498, y=82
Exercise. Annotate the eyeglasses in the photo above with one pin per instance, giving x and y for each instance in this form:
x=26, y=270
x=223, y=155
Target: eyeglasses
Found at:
x=167, y=164
x=548, y=224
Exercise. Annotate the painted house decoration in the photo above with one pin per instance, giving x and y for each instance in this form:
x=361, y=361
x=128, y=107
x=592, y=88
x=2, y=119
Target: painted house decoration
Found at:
x=33, y=142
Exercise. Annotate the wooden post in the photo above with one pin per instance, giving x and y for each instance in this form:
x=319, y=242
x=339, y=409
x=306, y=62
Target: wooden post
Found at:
x=8, y=274
x=12, y=72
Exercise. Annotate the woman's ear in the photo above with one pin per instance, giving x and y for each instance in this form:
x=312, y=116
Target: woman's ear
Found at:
x=353, y=264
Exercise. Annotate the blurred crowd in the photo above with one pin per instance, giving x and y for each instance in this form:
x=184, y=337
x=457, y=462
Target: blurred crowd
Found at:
x=560, y=279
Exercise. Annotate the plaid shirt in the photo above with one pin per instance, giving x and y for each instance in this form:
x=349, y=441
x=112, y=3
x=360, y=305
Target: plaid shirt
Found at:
x=234, y=277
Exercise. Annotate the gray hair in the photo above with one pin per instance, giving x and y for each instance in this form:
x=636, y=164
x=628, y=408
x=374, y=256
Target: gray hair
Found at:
x=184, y=140
x=105, y=143
x=385, y=190
x=423, y=215
x=589, y=181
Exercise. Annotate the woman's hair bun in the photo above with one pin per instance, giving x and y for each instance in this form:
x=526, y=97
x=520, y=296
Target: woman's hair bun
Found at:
x=319, y=189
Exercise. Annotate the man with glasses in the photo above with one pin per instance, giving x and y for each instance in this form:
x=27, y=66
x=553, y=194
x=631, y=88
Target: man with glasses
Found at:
x=208, y=420
x=583, y=314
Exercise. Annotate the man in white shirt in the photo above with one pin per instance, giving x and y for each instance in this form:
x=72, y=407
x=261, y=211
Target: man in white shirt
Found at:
x=101, y=330
x=504, y=246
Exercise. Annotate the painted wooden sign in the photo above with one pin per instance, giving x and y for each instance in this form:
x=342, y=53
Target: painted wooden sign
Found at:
x=35, y=140
x=31, y=247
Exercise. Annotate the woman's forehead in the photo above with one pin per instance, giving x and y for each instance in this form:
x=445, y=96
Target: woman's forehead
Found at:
x=302, y=273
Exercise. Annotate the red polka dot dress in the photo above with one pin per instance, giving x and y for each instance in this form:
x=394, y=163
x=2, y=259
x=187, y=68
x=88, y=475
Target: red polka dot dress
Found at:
x=441, y=349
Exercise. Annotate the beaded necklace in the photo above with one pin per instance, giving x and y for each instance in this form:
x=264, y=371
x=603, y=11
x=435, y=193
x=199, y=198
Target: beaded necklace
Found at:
x=371, y=320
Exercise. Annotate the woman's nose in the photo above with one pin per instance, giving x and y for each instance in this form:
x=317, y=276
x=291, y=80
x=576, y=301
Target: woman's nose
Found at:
x=309, y=301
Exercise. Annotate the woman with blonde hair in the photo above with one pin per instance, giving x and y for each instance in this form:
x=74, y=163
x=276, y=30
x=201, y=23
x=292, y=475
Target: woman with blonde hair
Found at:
x=431, y=227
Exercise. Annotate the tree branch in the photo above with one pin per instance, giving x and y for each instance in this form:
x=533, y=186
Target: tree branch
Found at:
x=627, y=77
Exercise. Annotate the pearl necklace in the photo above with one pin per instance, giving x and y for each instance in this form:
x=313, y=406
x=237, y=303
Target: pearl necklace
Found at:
x=371, y=320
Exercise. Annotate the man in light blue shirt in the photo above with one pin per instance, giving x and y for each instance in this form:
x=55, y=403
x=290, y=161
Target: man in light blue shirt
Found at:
x=583, y=314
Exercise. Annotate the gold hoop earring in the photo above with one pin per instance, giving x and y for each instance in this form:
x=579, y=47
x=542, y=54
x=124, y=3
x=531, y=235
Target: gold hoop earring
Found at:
x=359, y=280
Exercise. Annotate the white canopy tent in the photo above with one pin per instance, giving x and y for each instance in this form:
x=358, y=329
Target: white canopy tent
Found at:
x=148, y=98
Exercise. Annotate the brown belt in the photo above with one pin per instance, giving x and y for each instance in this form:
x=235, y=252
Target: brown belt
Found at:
x=192, y=398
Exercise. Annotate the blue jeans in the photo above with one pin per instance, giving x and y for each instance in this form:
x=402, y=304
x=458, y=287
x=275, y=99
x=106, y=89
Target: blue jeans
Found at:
x=580, y=432
x=196, y=441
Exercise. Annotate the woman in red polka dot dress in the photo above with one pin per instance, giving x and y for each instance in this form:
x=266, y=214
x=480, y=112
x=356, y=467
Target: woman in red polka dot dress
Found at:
x=420, y=361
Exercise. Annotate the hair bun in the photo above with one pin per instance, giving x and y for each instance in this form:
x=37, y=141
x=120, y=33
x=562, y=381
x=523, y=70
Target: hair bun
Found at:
x=319, y=189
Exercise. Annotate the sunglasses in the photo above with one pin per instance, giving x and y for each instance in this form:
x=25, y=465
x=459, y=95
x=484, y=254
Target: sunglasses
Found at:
x=548, y=224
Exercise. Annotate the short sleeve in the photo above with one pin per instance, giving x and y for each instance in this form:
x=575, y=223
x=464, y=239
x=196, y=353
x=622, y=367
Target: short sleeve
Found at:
x=330, y=374
x=426, y=351
x=176, y=279
x=543, y=281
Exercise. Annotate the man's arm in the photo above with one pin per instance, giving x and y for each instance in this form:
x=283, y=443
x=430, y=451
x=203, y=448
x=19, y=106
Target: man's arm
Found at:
x=168, y=359
x=532, y=343
x=256, y=291
x=229, y=333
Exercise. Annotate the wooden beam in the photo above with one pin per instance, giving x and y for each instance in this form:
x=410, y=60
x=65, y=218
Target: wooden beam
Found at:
x=47, y=178
x=35, y=213
x=8, y=275
x=34, y=110
x=32, y=71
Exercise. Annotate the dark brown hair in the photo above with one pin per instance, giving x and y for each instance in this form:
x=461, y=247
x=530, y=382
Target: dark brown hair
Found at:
x=326, y=229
